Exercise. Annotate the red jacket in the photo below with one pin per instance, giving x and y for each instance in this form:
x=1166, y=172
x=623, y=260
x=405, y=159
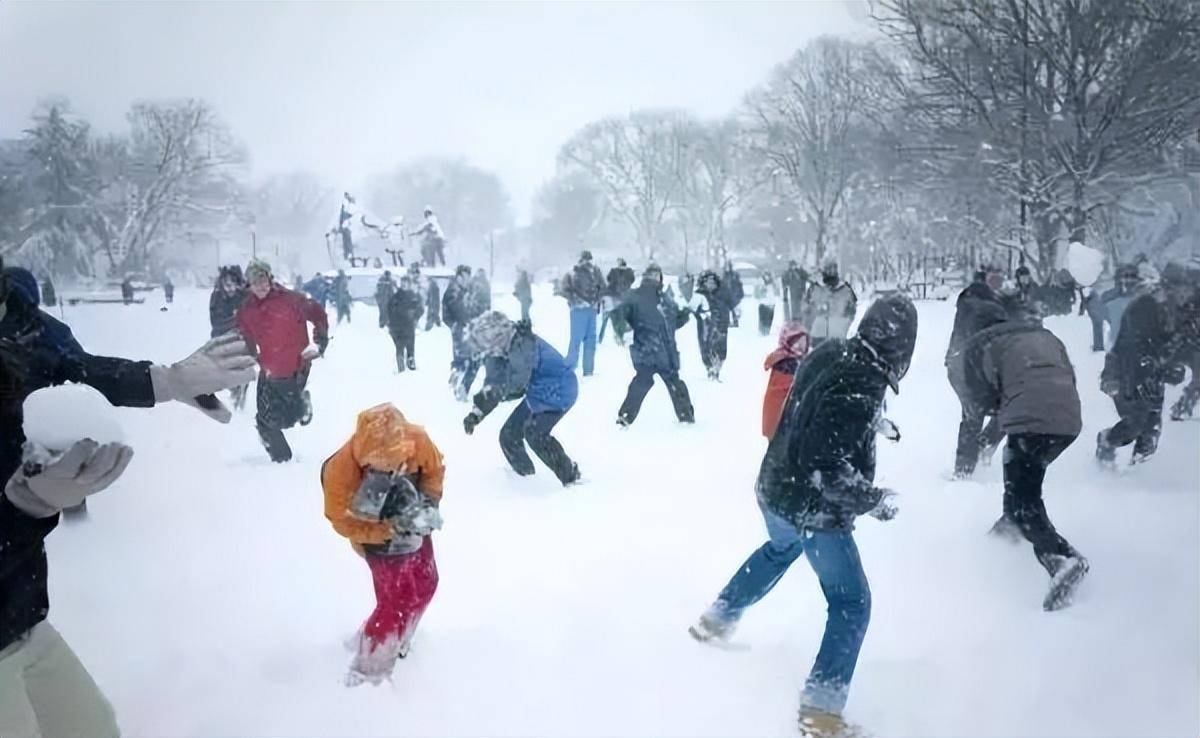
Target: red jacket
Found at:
x=276, y=327
x=782, y=363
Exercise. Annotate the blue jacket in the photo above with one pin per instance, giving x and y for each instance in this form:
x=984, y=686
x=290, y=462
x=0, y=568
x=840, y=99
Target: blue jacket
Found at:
x=530, y=368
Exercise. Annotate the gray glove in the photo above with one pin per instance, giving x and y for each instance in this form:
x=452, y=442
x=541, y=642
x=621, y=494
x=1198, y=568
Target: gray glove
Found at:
x=84, y=469
x=886, y=508
x=222, y=363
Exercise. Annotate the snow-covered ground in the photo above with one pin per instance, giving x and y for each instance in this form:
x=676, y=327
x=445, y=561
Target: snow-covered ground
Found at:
x=209, y=596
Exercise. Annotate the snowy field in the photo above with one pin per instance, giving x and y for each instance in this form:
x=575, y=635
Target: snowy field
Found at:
x=210, y=597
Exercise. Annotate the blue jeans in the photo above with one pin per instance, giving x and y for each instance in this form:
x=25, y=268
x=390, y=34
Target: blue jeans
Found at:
x=834, y=557
x=583, y=331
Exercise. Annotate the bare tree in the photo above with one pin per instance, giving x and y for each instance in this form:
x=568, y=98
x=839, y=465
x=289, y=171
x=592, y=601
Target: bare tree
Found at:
x=1076, y=100
x=178, y=163
x=806, y=120
x=637, y=162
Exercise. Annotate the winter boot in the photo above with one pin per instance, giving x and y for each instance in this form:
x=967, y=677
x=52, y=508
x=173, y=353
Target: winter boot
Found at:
x=624, y=421
x=712, y=628
x=1006, y=529
x=574, y=477
x=1065, y=574
x=1106, y=454
x=412, y=364
x=816, y=723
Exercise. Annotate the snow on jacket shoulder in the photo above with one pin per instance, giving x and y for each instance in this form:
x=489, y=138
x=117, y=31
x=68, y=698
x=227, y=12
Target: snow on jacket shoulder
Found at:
x=276, y=325
x=385, y=441
x=1021, y=372
x=654, y=318
x=819, y=468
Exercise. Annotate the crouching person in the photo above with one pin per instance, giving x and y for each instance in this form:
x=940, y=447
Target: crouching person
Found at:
x=1019, y=372
x=818, y=476
x=520, y=365
x=382, y=490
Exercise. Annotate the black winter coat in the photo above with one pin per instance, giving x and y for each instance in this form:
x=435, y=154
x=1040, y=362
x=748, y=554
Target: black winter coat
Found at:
x=654, y=318
x=40, y=352
x=819, y=469
x=223, y=309
x=977, y=307
x=1145, y=354
x=620, y=281
x=404, y=309
x=456, y=304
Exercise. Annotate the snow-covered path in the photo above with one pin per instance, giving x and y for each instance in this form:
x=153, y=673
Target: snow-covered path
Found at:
x=209, y=596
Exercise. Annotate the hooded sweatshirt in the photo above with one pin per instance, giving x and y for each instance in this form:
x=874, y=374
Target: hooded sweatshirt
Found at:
x=782, y=364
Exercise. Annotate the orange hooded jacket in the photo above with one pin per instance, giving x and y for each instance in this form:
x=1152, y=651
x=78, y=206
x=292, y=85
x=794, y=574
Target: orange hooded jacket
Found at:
x=385, y=441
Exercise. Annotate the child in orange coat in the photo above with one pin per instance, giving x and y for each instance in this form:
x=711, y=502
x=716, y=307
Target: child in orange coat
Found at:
x=382, y=490
x=782, y=363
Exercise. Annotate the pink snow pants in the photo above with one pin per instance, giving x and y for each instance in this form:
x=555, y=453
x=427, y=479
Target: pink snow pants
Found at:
x=404, y=586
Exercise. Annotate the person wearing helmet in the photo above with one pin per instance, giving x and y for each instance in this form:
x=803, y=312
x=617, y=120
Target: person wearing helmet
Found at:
x=520, y=364
x=829, y=306
x=816, y=477
x=1144, y=358
x=1019, y=372
x=654, y=318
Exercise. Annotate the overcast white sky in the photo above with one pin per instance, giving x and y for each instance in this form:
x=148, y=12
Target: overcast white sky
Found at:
x=350, y=89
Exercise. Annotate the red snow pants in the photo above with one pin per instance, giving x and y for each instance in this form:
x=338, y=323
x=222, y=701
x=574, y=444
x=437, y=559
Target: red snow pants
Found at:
x=404, y=586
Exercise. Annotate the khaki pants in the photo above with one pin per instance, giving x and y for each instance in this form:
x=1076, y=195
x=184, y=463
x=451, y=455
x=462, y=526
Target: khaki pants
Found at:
x=46, y=693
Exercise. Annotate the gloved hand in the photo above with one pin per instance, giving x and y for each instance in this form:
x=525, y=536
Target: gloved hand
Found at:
x=887, y=429
x=419, y=520
x=322, y=344
x=84, y=469
x=220, y=364
x=886, y=508
x=473, y=418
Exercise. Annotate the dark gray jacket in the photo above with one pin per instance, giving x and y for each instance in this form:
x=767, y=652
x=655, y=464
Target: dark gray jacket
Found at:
x=1021, y=372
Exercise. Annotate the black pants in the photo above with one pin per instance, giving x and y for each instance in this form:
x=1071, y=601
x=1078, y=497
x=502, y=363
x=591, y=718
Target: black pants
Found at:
x=973, y=437
x=525, y=309
x=343, y=311
x=643, y=380
x=714, y=345
x=527, y=427
x=281, y=404
x=1140, y=424
x=406, y=348
x=766, y=316
x=1025, y=460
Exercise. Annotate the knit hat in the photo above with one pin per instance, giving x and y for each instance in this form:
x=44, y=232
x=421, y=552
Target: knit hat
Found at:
x=258, y=269
x=490, y=333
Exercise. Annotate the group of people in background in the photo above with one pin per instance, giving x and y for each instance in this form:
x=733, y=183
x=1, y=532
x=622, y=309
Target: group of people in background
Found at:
x=822, y=410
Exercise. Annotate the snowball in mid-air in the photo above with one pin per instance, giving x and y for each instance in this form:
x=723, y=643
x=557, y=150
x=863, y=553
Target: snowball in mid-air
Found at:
x=56, y=417
x=1084, y=263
